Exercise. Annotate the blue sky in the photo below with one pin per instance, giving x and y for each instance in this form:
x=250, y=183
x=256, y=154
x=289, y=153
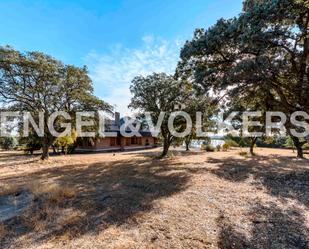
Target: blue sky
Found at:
x=115, y=39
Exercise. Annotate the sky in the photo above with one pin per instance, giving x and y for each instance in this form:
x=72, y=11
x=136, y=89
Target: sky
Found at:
x=116, y=39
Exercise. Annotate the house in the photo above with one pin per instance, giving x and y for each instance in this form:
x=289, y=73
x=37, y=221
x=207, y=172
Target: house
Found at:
x=118, y=143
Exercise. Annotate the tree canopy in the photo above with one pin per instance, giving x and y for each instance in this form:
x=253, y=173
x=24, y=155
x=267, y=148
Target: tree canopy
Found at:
x=36, y=82
x=265, y=49
x=157, y=93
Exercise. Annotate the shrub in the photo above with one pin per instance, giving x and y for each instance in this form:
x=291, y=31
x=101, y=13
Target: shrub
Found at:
x=241, y=143
x=8, y=143
x=31, y=143
x=31, y=147
x=210, y=148
x=225, y=147
x=231, y=143
x=66, y=141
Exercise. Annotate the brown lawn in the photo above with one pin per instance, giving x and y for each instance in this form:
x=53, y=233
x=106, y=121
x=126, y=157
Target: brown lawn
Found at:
x=133, y=200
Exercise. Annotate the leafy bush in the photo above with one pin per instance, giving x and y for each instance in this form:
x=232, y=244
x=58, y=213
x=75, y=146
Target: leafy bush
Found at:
x=65, y=142
x=231, y=143
x=31, y=143
x=271, y=142
x=31, y=147
x=225, y=147
x=8, y=143
x=210, y=148
x=289, y=143
x=241, y=143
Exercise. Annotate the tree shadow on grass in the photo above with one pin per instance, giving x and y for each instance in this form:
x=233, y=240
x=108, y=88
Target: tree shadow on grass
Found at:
x=272, y=227
x=283, y=177
x=173, y=152
x=108, y=194
x=19, y=158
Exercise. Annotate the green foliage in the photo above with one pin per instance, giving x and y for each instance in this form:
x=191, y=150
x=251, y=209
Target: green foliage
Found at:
x=31, y=143
x=231, y=143
x=65, y=142
x=67, y=139
x=8, y=143
x=271, y=142
x=36, y=82
x=155, y=93
x=289, y=143
x=225, y=147
x=210, y=148
x=242, y=143
x=259, y=57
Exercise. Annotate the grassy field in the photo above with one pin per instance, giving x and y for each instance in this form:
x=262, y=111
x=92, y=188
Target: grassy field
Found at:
x=134, y=200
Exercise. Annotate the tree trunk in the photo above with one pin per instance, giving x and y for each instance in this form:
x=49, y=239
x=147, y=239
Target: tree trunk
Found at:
x=253, y=141
x=54, y=149
x=188, y=142
x=187, y=145
x=166, y=146
x=45, y=148
x=300, y=153
x=298, y=146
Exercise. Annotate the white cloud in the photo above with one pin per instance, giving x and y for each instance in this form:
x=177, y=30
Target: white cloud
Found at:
x=113, y=72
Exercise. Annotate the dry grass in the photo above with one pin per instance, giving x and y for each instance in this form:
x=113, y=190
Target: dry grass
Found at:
x=48, y=207
x=52, y=192
x=134, y=200
x=3, y=231
x=243, y=153
x=9, y=190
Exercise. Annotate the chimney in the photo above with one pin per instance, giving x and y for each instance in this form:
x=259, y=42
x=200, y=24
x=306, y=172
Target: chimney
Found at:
x=117, y=119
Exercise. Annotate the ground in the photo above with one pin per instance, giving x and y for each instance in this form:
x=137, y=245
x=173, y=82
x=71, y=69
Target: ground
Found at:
x=134, y=200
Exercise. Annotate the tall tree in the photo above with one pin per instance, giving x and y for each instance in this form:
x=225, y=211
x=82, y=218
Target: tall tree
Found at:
x=36, y=82
x=157, y=93
x=267, y=45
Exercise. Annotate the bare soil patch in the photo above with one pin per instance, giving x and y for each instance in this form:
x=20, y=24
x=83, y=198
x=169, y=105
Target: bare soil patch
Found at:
x=134, y=200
